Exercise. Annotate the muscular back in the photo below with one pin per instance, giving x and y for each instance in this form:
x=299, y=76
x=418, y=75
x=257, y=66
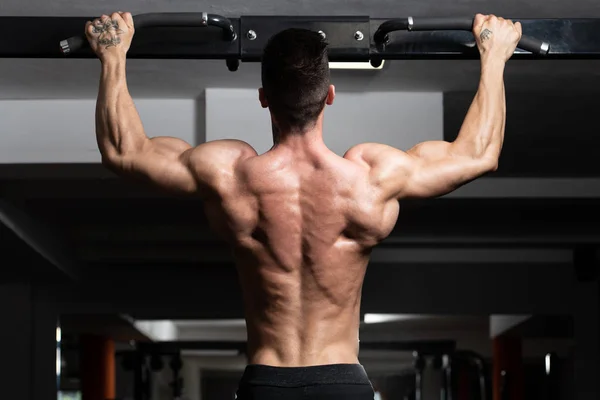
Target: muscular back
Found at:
x=302, y=225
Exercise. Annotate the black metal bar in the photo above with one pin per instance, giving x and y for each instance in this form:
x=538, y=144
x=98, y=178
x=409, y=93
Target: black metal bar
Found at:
x=350, y=38
x=40, y=37
x=381, y=36
x=138, y=377
x=567, y=39
x=163, y=20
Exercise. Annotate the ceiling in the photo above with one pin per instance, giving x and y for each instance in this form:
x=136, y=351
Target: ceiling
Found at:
x=57, y=78
x=374, y=8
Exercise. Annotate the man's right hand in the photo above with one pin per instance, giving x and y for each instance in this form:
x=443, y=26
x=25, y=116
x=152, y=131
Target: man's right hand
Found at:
x=110, y=37
x=497, y=38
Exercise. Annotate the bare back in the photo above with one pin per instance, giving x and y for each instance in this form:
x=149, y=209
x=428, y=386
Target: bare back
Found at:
x=302, y=223
x=302, y=226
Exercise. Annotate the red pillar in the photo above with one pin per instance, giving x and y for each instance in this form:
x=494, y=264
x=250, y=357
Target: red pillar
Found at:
x=97, y=366
x=507, y=354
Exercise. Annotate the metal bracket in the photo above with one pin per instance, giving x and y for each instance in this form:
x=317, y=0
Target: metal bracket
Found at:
x=342, y=34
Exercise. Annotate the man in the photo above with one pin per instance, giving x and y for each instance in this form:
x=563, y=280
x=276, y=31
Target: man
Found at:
x=301, y=220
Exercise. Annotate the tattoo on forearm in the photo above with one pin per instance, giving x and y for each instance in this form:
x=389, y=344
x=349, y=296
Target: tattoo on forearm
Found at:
x=109, y=32
x=485, y=35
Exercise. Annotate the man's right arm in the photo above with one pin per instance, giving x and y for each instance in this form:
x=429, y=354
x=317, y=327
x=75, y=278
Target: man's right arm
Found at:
x=435, y=168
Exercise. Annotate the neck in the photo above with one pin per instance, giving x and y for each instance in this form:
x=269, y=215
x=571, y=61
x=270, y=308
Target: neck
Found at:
x=310, y=138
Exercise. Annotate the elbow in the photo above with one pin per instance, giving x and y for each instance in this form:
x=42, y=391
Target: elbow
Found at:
x=112, y=159
x=115, y=158
x=489, y=159
x=110, y=162
x=490, y=164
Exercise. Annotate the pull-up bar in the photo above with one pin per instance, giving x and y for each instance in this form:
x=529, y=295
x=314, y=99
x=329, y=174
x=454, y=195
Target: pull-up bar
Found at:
x=350, y=38
x=172, y=20
x=411, y=24
x=381, y=35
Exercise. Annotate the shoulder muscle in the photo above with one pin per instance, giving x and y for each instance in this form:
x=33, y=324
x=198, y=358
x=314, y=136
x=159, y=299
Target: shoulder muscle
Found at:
x=213, y=162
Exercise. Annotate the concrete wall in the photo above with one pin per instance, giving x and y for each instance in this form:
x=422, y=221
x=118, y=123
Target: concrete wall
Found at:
x=549, y=136
x=63, y=131
x=398, y=119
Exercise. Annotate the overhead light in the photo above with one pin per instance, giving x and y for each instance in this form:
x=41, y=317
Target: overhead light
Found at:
x=58, y=335
x=548, y=364
x=157, y=330
x=354, y=65
x=379, y=318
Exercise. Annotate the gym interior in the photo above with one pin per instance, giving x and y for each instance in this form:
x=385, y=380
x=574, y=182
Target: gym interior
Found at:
x=110, y=290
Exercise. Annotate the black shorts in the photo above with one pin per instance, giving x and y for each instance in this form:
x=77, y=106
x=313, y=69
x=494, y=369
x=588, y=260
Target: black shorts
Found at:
x=322, y=382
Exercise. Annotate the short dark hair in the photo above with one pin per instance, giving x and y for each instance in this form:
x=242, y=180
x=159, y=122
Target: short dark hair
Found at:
x=295, y=77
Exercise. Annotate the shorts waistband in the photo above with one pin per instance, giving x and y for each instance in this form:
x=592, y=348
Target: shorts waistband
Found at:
x=332, y=374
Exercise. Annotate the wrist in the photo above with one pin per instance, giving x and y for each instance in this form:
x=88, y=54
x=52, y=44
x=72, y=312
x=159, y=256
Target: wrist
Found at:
x=113, y=61
x=492, y=67
x=113, y=67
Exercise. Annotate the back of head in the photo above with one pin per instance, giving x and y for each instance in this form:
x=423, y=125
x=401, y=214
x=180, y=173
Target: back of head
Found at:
x=295, y=78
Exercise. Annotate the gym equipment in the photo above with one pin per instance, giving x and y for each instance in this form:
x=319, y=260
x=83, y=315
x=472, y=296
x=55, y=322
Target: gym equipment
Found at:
x=419, y=366
x=504, y=393
x=143, y=359
x=551, y=384
x=156, y=363
x=351, y=38
x=462, y=358
x=177, y=384
x=154, y=20
x=446, y=392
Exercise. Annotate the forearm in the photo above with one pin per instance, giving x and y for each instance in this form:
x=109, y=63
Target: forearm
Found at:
x=482, y=133
x=119, y=129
